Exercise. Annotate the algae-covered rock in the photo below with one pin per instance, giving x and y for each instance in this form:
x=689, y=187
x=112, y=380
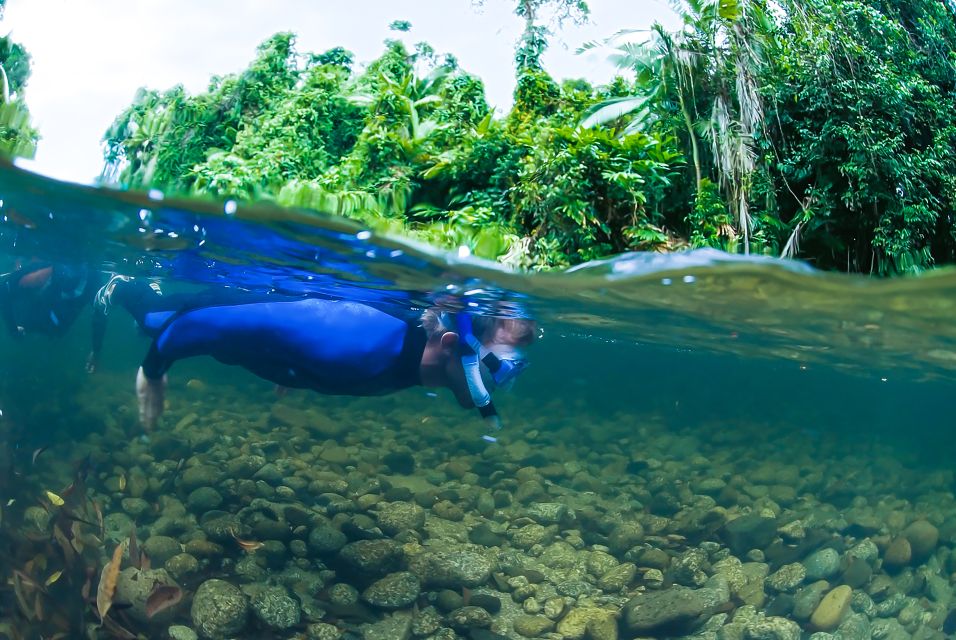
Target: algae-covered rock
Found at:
x=134, y=586
x=574, y=625
x=373, y=557
x=326, y=539
x=451, y=567
x=219, y=610
x=323, y=631
x=772, y=628
x=467, y=618
x=532, y=626
x=618, y=577
x=117, y=526
x=822, y=564
x=624, y=536
x=159, y=549
x=394, y=591
x=547, y=512
x=397, y=626
x=787, y=578
x=199, y=476
x=395, y=517
x=673, y=611
x=179, y=632
x=273, y=607
x=203, y=499
x=182, y=566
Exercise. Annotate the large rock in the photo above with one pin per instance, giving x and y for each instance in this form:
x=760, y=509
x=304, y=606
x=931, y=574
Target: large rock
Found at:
x=923, y=537
x=134, y=586
x=748, y=532
x=675, y=611
x=219, y=610
x=274, y=608
x=394, y=591
x=395, y=517
x=822, y=564
x=373, y=557
x=159, y=549
x=452, y=567
x=898, y=554
x=829, y=613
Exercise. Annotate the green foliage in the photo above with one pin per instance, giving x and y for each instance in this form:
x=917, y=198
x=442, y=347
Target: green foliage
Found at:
x=711, y=224
x=18, y=137
x=818, y=129
x=400, y=25
x=586, y=193
x=335, y=57
x=824, y=129
x=409, y=145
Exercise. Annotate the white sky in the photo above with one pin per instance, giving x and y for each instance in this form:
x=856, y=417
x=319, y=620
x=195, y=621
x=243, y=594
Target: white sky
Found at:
x=90, y=56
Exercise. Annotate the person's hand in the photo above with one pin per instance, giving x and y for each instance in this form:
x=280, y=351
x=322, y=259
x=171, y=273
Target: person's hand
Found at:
x=151, y=395
x=91, y=361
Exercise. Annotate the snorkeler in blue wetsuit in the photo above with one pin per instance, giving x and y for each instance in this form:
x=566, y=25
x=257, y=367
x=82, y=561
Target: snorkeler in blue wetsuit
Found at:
x=311, y=342
x=44, y=297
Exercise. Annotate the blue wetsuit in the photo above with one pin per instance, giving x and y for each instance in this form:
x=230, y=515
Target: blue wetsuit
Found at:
x=331, y=346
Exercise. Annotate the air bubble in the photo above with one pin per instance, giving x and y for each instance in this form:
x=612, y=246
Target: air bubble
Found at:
x=463, y=251
x=363, y=235
x=143, y=214
x=230, y=207
x=155, y=194
x=689, y=279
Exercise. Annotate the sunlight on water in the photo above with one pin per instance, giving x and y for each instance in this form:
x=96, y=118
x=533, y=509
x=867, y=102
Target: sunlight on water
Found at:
x=761, y=447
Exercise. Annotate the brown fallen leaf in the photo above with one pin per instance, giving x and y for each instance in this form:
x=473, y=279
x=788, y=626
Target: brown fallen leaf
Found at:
x=69, y=552
x=163, y=596
x=107, y=585
x=99, y=517
x=38, y=607
x=21, y=597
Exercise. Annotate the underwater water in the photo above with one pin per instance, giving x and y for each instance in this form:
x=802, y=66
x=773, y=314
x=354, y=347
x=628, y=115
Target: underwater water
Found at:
x=704, y=446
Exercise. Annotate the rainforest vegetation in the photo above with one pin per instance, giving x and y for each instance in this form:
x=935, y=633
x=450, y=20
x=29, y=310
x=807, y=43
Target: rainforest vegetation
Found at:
x=823, y=130
x=18, y=137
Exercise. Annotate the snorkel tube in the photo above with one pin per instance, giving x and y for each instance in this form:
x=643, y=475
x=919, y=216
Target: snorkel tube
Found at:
x=470, y=349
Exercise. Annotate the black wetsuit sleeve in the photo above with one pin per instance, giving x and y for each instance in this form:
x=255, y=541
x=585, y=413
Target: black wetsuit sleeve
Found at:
x=135, y=296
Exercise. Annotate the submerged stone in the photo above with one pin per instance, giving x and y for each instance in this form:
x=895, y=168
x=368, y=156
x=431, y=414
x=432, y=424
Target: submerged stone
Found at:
x=452, y=567
x=394, y=591
x=274, y=608
x=219, y=610
x=751, y=531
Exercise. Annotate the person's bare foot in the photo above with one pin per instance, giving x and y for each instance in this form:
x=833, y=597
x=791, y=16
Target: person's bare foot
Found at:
x=151, y=395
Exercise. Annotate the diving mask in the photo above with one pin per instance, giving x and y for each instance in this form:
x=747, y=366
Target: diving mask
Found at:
x=485, y=368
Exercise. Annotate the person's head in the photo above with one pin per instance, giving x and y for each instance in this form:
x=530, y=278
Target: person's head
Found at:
x=474, y=355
